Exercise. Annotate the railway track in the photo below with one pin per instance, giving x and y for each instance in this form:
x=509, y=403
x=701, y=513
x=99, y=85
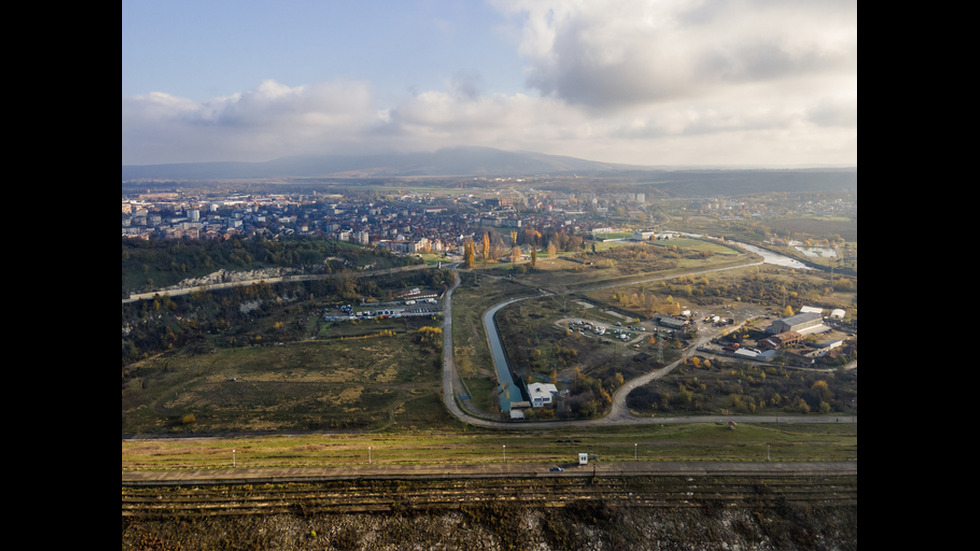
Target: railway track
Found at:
x=386, y=496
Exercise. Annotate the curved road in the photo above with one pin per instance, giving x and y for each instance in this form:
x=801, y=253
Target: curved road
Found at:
x=619, y=413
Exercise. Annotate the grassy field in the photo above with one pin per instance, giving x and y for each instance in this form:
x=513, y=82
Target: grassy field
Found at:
x=374, y=376
x=468, y=445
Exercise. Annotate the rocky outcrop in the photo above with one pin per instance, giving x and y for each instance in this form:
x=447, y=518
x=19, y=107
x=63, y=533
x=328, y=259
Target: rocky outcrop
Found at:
x=225, y=276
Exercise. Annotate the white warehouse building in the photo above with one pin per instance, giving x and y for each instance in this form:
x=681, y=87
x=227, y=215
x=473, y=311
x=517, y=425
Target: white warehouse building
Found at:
x=541, y=394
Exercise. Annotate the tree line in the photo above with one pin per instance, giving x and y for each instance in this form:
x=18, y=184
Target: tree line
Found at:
x=492, y=245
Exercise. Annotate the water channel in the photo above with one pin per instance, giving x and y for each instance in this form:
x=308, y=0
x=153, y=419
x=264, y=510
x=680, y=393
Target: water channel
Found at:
x=509, y=392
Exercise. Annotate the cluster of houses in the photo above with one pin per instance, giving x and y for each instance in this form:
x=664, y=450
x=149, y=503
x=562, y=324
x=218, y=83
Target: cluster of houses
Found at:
x=406, y=225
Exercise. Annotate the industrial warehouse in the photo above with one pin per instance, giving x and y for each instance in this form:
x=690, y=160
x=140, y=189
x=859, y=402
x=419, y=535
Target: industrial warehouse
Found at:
x=803, y=339
x=406, y=304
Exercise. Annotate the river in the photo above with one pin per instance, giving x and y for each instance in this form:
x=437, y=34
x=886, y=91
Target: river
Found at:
x=770, y=257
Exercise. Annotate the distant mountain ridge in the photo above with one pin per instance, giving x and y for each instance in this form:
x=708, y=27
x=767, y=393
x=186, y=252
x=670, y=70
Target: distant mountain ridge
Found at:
x=487, y=162
x=457, y=161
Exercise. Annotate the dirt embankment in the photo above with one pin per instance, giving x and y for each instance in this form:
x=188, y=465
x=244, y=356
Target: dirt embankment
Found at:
x=645, y=514
x=512, y=527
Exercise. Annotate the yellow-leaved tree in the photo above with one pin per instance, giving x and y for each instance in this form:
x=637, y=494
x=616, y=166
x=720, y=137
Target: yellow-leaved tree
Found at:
x=469, y=253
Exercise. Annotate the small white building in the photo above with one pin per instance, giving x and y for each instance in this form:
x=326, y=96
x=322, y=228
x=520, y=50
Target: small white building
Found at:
x=541, y=394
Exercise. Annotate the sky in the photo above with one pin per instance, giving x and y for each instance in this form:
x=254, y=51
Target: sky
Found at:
x=719, y=83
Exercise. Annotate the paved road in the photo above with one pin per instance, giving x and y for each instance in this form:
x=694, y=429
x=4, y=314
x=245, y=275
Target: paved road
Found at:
x=449, y=376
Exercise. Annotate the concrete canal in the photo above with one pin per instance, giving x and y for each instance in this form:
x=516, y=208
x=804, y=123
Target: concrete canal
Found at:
x=509, y=392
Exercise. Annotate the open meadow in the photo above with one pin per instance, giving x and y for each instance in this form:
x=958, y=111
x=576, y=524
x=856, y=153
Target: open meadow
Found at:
x=381, y=375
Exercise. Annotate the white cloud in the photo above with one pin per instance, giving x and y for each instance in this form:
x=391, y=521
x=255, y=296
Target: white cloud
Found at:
x=623, y=53
x=658, y=82
x=700, y=81
x=270, y=121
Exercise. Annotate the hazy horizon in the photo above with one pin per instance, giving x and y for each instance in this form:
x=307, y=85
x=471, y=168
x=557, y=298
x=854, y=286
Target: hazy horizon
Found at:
x=652, y=83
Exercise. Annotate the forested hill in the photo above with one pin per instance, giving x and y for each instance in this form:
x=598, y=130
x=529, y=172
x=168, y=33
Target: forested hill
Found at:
x=157, y=263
